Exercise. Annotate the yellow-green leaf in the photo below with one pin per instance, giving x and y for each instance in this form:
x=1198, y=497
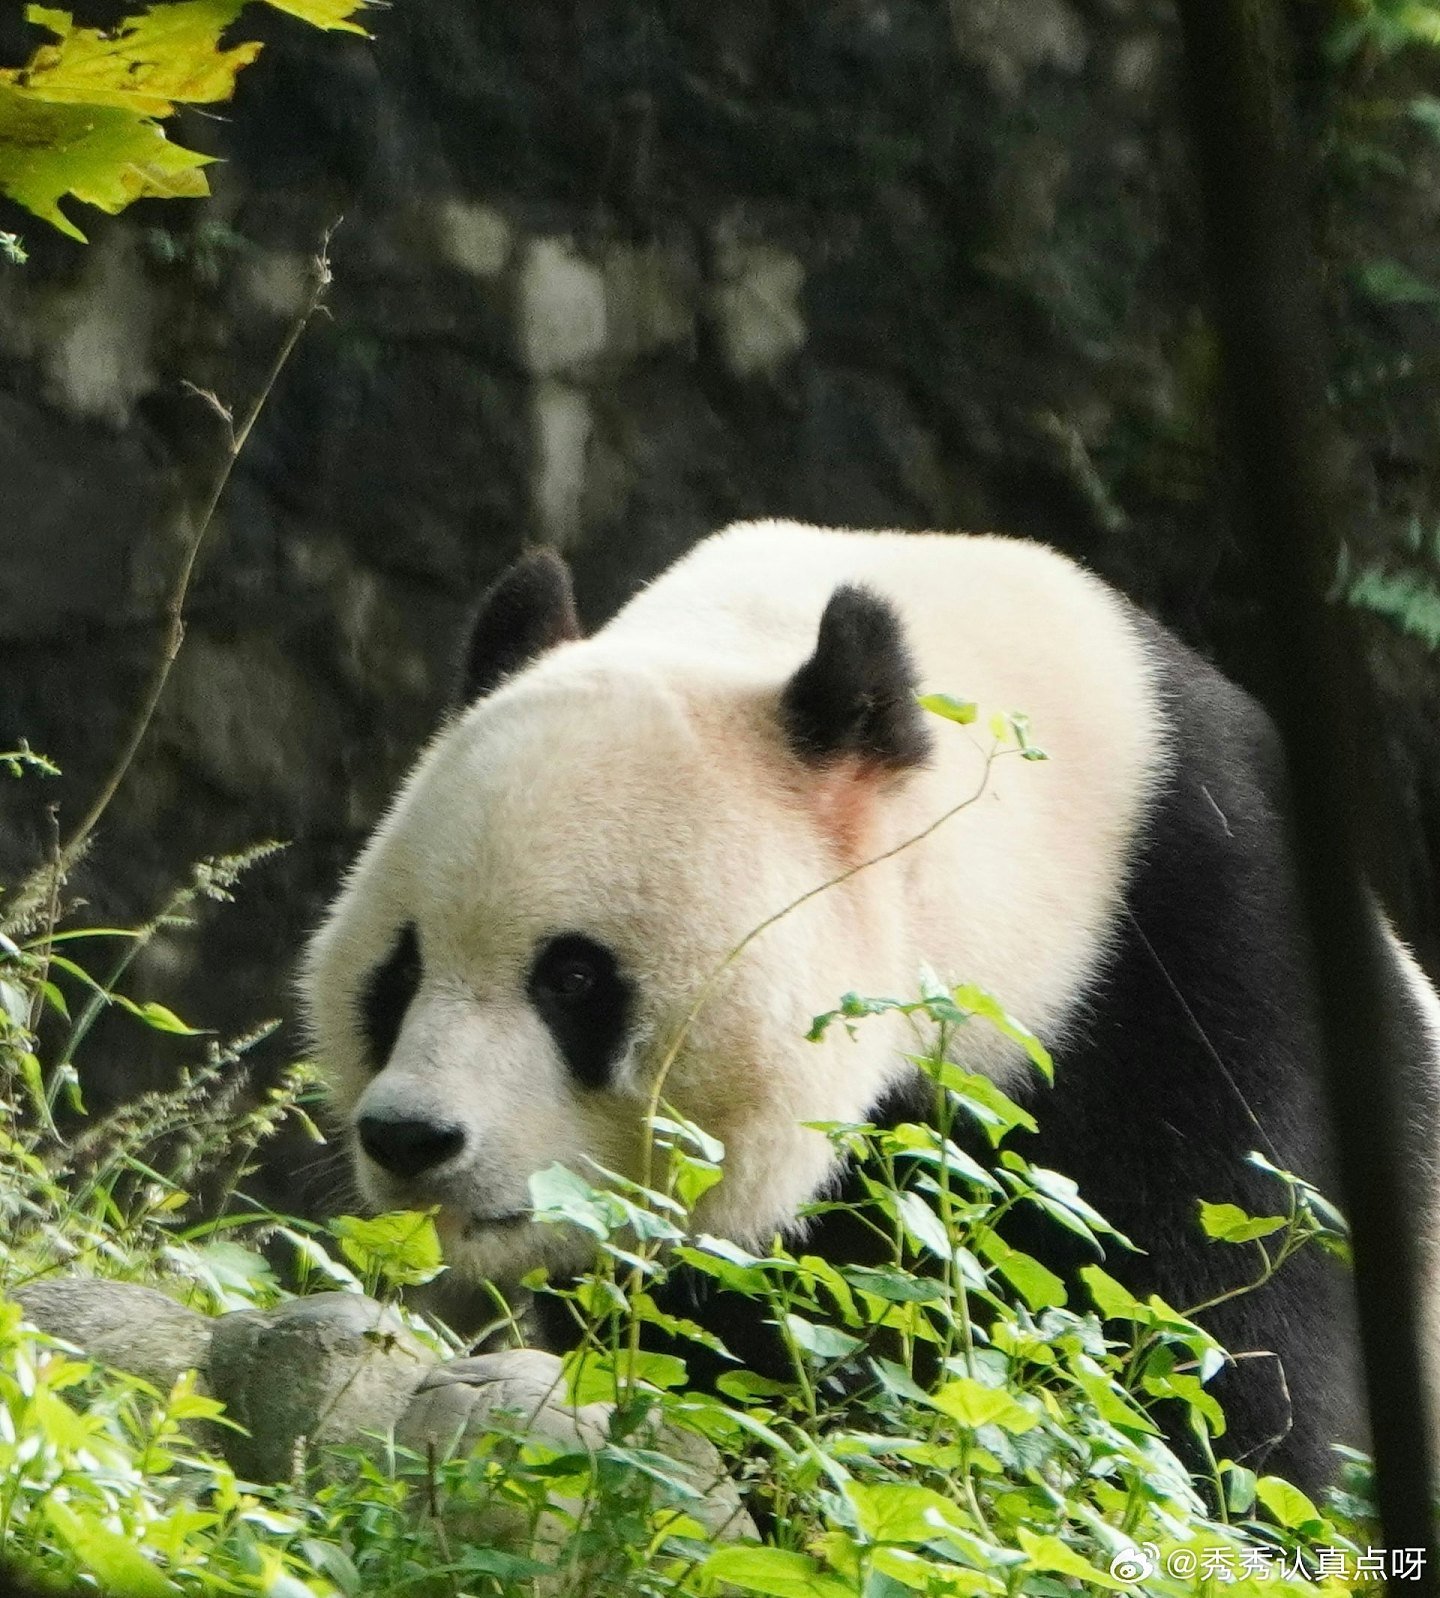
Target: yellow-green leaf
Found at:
x=777, y=1571
x=963, y=711
x=80, y=117
x=973, y=1404
x=400, y=1246
x=896, y=1512
x=112, y=1559
x=1228, y=1223
x=327, y=14
x=1049, y=1553
x=145, y=64
x=99, y=154
x=1290, y=1507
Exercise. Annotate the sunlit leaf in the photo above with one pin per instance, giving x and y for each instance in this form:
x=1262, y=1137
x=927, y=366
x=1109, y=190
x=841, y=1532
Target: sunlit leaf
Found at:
x=777, y=1571
x=82, y=118
x=401, y=1247
x=1228, y=1223
x=99, y=154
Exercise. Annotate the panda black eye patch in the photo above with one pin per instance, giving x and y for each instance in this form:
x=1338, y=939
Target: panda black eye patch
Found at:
x=576, y=986
x=387, y=994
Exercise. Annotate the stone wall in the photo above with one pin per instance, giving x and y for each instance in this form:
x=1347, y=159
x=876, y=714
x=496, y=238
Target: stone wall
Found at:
x=609, y=274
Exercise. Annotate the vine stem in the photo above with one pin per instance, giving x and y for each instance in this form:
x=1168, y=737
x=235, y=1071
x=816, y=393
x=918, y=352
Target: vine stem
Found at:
x=46, y=878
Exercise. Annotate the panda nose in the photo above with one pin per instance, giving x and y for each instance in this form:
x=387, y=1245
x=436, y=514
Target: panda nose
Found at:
x=407, y=1148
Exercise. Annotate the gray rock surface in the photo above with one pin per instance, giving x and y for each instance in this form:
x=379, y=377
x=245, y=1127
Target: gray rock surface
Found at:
x=520, y=1393
x=334, y=1368
x=338, y=1370
x=518, y=1390
x=132, y=1328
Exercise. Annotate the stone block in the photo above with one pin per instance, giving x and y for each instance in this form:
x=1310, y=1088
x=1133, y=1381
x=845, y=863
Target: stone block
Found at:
x=560, y=313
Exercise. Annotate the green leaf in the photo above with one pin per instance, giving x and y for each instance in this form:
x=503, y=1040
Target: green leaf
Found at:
x=598, y=1377
x=1185, y=1388
x=1240, y=1485
x=15, y=1003
x=778, y=1571
x=99, y=154
x=978, y=1002
x=1049, y=1553
x=747, y=1387
x=820, y=1341
x=963, y=711
x=1111, y=1403
x=115, y=1561
x=1228, y=1223
x=164, y=1020
x=236, y=1277
x=400, y=1247
x=923, y=1224
x=1290, y=1507
x=974, y=1405
x=558, y=1194
x=890, y=1512
x=1039, y=1286
x=1114, y=1301
x=894, y=1285
x=997, y=1113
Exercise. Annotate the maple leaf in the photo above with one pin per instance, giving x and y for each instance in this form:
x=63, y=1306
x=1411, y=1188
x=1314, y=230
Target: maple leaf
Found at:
x=82, y=118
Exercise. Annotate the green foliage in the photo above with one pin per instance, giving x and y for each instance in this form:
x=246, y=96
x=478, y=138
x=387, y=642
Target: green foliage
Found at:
x=1406, y=593
x=950, y=1422
x=401, y=1249
x=82, y=118
x=1385, y=27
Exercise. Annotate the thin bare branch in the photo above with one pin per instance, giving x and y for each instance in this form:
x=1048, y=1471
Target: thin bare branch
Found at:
x=46, y=879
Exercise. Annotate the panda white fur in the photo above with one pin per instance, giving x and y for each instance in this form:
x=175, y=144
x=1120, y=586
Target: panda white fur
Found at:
x=577, y=853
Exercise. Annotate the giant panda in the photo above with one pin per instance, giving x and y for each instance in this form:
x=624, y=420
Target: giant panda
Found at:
x=607, y=818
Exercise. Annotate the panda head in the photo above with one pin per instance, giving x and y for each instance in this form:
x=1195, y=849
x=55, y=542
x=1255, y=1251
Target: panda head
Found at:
x=552, y=900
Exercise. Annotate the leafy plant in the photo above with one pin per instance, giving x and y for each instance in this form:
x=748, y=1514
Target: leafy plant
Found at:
x=951, y=1423
x=1407, y=592
x=83, y=117
x=1385, y=26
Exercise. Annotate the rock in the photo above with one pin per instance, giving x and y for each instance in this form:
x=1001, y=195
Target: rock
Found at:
x=757, y=307
x=71, y=474
x=649, y=298
x=475, y=238
x=561, y=311
x=518, y=1390
x=332, y=1369
x=121, y=1324
x=277, y=281
x=1010, y=42
x=562, y=443
x=521, y=1393
x=338, y=1370
x=99, y=365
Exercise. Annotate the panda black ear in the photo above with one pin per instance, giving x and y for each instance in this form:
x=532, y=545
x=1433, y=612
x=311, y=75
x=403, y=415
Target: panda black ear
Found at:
x=855, y=696
x=527, y=610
